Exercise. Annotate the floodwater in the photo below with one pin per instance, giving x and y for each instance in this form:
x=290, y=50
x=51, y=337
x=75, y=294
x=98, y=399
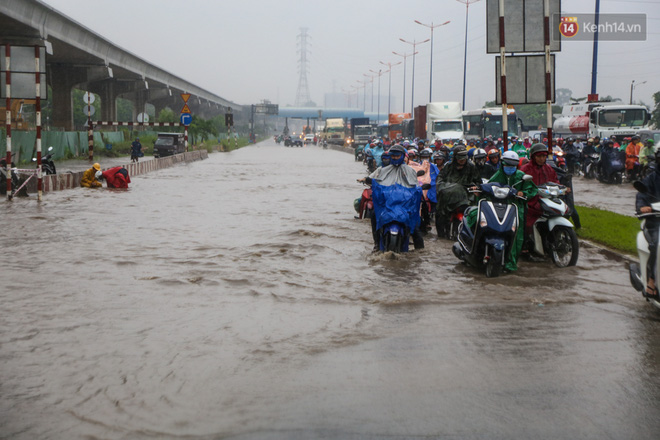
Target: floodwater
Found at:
x=236, y=298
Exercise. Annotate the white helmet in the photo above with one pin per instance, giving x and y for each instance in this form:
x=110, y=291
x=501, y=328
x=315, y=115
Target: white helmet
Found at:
x=99, y=175
x=510, y=158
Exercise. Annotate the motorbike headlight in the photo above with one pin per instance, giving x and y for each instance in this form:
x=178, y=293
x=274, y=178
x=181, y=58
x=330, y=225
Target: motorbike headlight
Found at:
x=482, y=220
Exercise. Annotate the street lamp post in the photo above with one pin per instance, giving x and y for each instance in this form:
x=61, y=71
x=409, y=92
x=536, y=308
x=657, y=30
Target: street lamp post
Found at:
x=431, y=26
x=371, y=77
x=405, y=57
x=379, y=73
x=364, y=94
x=414, y=44
x=389, y=93
x=632, y=87
x=467, y=8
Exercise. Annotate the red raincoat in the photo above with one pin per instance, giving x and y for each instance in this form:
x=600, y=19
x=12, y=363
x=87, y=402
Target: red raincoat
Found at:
x=116, y=179
x=540, y=175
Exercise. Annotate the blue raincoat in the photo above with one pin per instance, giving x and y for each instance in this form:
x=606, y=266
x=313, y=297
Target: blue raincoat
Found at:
x=396, y=203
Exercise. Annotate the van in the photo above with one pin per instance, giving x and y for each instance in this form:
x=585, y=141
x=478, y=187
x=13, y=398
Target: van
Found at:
x=168, y=144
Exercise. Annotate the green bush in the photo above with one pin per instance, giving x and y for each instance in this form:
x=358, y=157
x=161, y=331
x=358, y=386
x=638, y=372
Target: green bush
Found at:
x=613, y=230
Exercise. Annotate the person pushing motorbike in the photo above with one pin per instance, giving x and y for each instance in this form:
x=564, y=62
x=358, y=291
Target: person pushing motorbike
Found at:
x=643, y=205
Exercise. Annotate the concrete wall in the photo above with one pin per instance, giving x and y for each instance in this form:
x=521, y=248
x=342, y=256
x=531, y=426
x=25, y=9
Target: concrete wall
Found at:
x=58, y=182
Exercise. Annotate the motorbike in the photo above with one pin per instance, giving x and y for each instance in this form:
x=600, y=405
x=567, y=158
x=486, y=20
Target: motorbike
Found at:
x=47, y=164
x=638, y=275
x=397, y=214
x=15, y=182
x=590, y=165
x=325, y=144
x=612, y=167
x=648, y=168
x=552, y=233
x=364, y=205
x=359, y=155
x=495, y=230
x=456, y=216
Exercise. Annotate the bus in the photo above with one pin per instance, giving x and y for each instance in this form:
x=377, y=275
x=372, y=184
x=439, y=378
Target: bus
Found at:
x=484, y=122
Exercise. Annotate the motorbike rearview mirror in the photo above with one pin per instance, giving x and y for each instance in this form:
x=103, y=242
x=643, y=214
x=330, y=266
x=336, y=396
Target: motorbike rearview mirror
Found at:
x=527, y=177
x=639, y=186
x=50, y=149
x=420, y=173
x=426, y=186
x=34, y=159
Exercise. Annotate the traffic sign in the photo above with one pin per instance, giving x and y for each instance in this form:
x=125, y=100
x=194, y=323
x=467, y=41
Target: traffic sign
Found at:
x=185, y=109
x=186, y=118
x=143, y=117
x=185, y=97
x=89, y=98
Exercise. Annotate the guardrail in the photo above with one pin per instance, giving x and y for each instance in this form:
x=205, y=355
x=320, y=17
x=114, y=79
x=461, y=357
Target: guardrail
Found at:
x=68, y=180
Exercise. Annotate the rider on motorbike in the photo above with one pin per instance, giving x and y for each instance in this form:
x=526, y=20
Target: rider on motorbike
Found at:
x=493, y=164
x=643, y=205
x=647, y=153
x=450, y=197
x=510, y=175
x=396, y=173
x=479, y=159
x=632, y=157
x=541, y=173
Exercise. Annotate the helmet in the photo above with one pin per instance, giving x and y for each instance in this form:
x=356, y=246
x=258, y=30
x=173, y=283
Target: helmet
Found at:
x=510, y=158
x=426, y=152
x=97, y=166
x=479, y=153
x=537, y=148
x=460, y=152
x=494, y=152
x=439, y=155
x=590, y=140
x=98, y=175
x=650, y=142
x=397, y=150
x=412, y=152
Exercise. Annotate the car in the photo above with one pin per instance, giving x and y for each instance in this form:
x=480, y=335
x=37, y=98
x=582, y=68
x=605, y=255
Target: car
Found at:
x=309, y=139
x=296, y=141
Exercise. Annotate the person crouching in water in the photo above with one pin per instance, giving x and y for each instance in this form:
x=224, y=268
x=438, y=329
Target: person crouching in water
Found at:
x=89, y=179
x=116, y=177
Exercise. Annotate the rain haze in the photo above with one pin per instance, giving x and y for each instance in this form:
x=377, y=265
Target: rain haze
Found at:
x=247, y=51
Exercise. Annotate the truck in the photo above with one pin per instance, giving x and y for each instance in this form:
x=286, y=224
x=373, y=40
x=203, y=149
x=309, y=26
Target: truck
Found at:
x=420, y=122
x=444, y=120
x=395, y=119
x=168, y=144
x=602, y=119
x=360, y=131
x=335, y=131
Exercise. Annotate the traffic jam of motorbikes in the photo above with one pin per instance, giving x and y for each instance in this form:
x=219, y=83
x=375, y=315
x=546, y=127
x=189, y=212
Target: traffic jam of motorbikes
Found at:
x=503, y=203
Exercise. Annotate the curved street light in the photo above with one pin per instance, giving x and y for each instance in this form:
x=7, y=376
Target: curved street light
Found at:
x=467, y=8
x=414, y=44
x=431, y=26
x=632, y=87
x=389, y=93
x=405, y=57
x=379, y=73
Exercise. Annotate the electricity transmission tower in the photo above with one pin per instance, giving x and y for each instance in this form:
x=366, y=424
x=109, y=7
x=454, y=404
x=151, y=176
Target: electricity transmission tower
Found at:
x=302, y=95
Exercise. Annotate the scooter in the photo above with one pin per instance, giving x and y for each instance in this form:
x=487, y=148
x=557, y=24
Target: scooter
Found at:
x=590, y=165
x=552, y=233
x=364, y=205
x=15, y=182
x=638, y=275
x=47, y=164
x=611, y=168
x=397, y=214
x=495, y=230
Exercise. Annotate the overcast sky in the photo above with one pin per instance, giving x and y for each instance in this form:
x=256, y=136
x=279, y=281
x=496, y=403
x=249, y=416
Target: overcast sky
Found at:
x=246, y=50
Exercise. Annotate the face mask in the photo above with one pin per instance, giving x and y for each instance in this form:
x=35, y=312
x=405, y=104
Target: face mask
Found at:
x=509, y=171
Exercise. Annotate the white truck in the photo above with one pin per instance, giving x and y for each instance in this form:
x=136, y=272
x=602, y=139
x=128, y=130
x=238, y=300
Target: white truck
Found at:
x=602, y=119
x=444, y=120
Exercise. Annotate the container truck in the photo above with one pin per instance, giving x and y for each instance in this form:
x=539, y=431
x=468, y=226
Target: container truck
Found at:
x=361, y=131
x=602, y=119
x=444, y=120
x=335, y=131
x=395, y=120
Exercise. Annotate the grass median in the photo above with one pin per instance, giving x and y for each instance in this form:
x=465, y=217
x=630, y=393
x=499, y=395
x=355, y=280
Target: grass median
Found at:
x=613, y=230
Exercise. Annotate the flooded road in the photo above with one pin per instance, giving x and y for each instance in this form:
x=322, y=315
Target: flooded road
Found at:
x=236, y=298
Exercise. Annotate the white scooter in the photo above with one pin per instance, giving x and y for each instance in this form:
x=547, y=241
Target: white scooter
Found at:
x=552, y=233
x=638, y=275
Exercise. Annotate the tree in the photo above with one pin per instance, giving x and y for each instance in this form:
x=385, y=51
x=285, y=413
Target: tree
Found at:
x=655, y=114
x=124, y=110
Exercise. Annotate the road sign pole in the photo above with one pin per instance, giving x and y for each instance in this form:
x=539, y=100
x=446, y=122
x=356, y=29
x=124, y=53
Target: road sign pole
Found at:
x=8, y=116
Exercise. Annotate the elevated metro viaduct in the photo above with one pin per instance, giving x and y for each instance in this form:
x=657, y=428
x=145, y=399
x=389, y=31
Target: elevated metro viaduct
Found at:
x=79, y=58
x=321, y=114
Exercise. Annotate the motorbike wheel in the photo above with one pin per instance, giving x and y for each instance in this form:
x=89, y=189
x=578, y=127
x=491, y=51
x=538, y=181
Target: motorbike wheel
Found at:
x=494, y=265
x=564, y=248
x=453, y=230
x=393, y=243
x=618, y=179
x=368, y=213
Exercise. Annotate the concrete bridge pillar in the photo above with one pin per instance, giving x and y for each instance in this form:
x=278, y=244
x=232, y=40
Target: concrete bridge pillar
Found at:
x=63, y=79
